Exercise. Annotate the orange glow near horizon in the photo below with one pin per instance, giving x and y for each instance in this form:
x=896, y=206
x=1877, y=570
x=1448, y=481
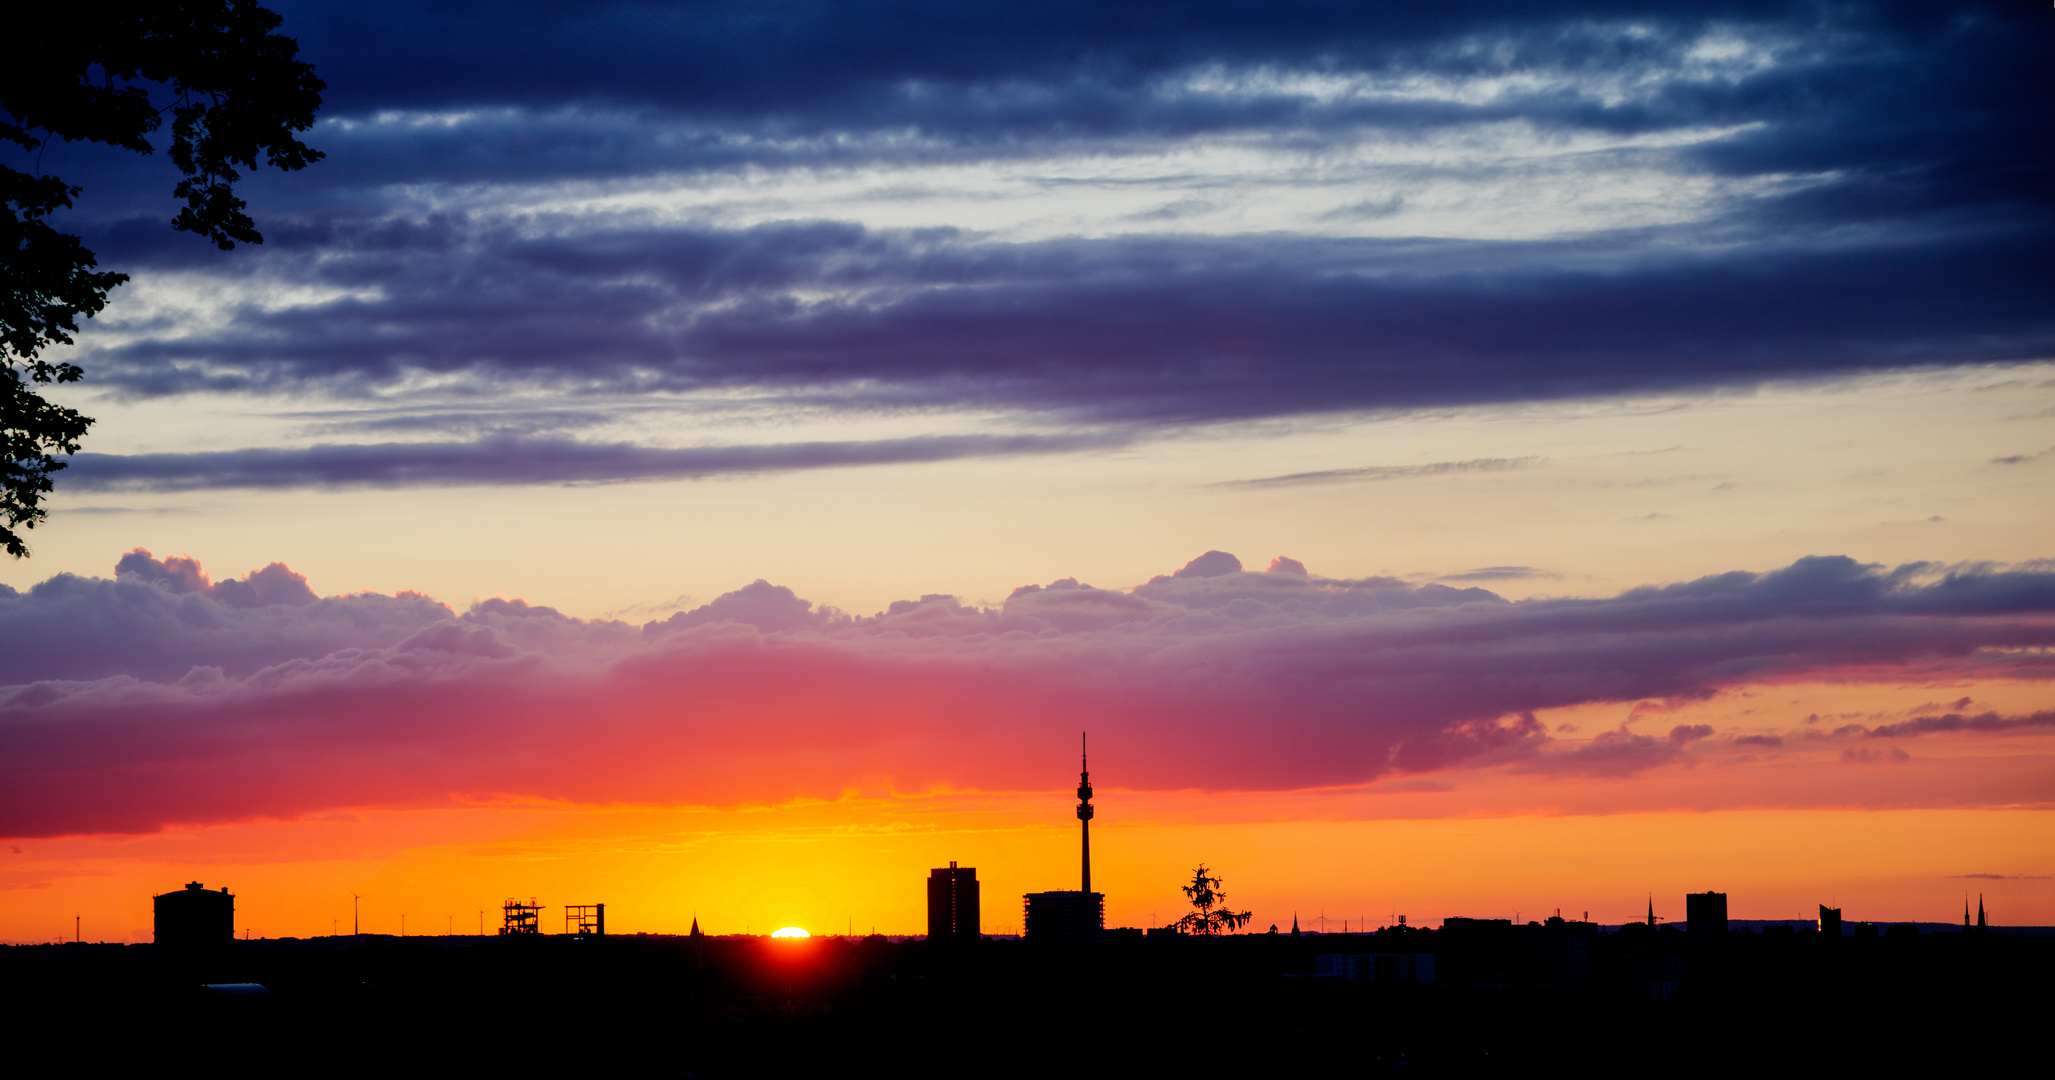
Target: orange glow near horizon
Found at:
x=1886, y=838
x=860, y=864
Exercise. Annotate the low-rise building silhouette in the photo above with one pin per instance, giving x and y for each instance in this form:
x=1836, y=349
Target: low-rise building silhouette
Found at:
x=195, y=920
x=953, y=904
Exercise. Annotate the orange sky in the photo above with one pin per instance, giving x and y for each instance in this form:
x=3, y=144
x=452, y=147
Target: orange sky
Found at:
x=1507, y=466
x=440, y=758
x=1885, y=839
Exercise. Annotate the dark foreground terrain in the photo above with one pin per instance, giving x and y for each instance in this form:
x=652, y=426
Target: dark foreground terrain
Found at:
x=1507, y=1002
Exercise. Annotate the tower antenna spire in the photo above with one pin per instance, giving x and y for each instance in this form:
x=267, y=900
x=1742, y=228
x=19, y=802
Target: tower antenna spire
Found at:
x=1084, y=807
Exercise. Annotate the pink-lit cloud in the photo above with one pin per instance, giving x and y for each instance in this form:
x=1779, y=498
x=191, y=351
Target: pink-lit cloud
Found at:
x=160, y=697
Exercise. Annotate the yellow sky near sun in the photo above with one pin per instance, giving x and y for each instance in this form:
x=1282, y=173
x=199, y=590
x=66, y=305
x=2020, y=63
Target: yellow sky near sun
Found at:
x=1780, y=830
x=834, y=866
x=1885, y=469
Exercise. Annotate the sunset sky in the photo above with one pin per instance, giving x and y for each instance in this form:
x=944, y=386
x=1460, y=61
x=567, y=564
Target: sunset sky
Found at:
x=714, y=459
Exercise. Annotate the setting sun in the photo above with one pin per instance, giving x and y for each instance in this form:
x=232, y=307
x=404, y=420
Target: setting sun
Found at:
x=790, y=932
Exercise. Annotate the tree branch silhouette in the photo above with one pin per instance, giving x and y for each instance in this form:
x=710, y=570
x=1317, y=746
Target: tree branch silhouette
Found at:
x=1211, y=915
x=235, y=90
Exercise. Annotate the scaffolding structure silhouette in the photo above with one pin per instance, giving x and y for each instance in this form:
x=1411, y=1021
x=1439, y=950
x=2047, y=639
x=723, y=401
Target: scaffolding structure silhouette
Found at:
x=585, y=920
x=521, y=918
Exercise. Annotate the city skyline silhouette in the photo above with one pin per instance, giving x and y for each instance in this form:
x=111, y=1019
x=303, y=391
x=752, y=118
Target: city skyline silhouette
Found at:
x=1539, y=514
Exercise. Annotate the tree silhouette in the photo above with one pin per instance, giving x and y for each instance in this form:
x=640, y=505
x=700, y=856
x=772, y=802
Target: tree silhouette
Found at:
x=1211, y=915
x=109, y=72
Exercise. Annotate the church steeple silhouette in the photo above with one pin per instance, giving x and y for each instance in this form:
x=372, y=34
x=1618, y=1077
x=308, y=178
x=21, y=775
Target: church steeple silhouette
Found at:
x=1295, y=924
x=1980, y=911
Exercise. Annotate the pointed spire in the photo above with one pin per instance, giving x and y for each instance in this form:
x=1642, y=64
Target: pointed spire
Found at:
x=695, y=927
x=1295, y=924
x=1980, y=911
x=1651, y=911
x=1084, y=809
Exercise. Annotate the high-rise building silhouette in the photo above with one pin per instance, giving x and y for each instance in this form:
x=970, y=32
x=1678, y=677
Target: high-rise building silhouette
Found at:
x=1830, y=923
x=1705, y=913
x=1071, y=918
x=953, y=904
x=195, y=920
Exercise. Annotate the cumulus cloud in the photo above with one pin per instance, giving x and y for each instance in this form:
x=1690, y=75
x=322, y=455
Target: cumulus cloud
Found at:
x=157, y=620
x=153, y=698
x=771, y=609
x=1211, y=564
x=178, y=575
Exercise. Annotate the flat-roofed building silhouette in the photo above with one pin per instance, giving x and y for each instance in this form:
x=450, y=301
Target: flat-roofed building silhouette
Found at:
x=195, y=919
x=1705, y=913
x=953, y=904
x=1065, y=918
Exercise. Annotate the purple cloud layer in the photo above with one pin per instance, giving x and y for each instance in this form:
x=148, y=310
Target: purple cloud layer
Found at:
x=1124, y=330
x=160, y=696
x=1893, y=209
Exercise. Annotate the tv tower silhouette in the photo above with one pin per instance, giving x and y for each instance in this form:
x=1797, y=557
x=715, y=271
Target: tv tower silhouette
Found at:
x=1084, y=807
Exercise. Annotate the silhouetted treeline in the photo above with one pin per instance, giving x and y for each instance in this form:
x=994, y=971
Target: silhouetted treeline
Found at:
x=1505, y=1000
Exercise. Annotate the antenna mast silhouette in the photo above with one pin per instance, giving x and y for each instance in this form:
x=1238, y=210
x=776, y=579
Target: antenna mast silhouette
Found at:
x=1084, y=807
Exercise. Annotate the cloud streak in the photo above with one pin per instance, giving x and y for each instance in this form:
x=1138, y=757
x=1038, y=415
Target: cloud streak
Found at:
x=1397, y=472
x=514, y=460
x=1135, y=331
x=617, y=198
